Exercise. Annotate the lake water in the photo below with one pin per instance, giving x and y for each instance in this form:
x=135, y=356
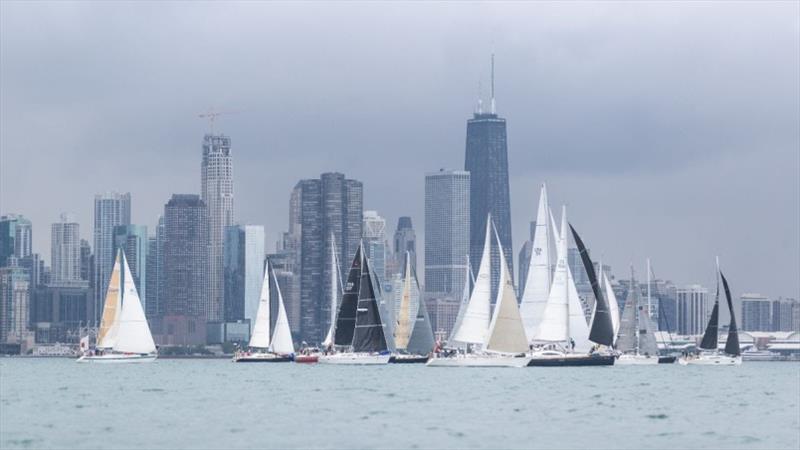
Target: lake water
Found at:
x=56, y=403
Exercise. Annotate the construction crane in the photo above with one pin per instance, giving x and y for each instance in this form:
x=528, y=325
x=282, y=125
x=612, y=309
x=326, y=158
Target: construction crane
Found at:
x=212, y=115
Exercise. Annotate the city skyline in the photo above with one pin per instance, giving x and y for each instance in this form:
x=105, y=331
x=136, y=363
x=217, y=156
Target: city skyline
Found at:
x=677, y=200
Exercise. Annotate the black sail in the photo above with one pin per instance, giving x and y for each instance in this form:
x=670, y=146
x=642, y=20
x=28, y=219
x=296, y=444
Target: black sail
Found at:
x=732, y=345
x=368, y=335
x=346, y=316
x=709, y=341
x=602, y=331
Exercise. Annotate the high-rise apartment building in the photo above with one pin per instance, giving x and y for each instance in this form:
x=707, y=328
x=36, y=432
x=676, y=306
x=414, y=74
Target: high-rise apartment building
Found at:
x=110, y=210
x=132, y=239
x=692, y=306
x=244, y=271
x=16, y=237
x=217, y=193
x=375, y=244
x=187, y=301
x=330, y=213
x=487, y=162
x=65, y=251
x=756, y=312
x=447, y=231
x=785, y=314
x=14, y=301
x=154, y=286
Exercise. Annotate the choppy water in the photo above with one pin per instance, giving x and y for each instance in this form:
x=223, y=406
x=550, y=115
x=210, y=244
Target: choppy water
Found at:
x=56, y=403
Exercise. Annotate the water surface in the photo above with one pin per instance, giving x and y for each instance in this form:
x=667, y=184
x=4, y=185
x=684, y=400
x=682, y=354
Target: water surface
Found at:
x=56, y=403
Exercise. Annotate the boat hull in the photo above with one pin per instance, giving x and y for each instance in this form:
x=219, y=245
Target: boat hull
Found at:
x=637, y=360
x=354, y=359
x=711, y=360
x=572, y=361
x=262, y=358
x=114, y=358
x=408, y=359
x=306, y=359
x=667, y=359
x=479, y=361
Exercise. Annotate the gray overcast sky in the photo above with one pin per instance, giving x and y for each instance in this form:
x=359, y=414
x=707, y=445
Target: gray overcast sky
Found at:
x=670, y=129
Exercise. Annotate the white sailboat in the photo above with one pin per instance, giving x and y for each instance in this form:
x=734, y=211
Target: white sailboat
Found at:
x=413, y=336
x=504, y=342
x=124, y=335
x=269, y=345
x=537, y=284
x=636, y=340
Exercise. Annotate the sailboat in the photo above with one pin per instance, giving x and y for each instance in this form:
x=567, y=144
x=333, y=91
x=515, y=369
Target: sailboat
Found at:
x=664, y=356
x=360, y=336
x=710, y=354
x=636, y=340
x=563, y=336
x=413, y=335
x=499, y=341
x=611, y=298
x=124, y=335
x=267, y=344
x=537, y=284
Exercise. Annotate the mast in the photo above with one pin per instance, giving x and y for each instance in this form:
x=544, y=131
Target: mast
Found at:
x=476, y=315
x=710, y=337
x=649, y=306
x=537, y=285
x=346, y=315
x=636, y=307
x=554, y=326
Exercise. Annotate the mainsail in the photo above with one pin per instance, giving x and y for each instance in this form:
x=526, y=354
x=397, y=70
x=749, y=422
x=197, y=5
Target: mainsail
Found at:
x=636, y=334
x=282, y=336
x=106, y=335
x=506, y=331
x=346, y=314
x=369, y=333
x=474, y=322
x=602, y=331
x=260, y=336
x=537, y=285
x=402, y=332
x=133, y=333
x=613, y=305
x=462, y=308
x=335, y=292
x=421, y=341
x=732, y=344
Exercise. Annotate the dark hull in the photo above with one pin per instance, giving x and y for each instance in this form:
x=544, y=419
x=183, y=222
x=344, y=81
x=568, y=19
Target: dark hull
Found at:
x=573, y=361
x=667, y=359
x=408, y=360
x=280, y=359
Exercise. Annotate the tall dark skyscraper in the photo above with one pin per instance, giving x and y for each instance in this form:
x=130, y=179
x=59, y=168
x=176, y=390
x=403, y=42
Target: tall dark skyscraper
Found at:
x=487, y=161
x=405, y=240
x=330, y=213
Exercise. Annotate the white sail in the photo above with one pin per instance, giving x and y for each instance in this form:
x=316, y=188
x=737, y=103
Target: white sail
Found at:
x=554, y=326
x=282, y=336
x=334, y=294
x=537, y=285
x=106, y=335
x=506, y=332
x=578, y=328
x=613, y=306
x=462, y=309
x=404, y=325
x=475, y=319
x=133, y=333
x=259, y=338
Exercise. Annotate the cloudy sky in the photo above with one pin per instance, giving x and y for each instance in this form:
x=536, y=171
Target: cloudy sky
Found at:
x=670, y=129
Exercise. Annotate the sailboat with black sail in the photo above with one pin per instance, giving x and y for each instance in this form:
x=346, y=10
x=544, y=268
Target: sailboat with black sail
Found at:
x=124, y=335
x=360, y=336
x=710, y=355
x=271, y=340
x=413, y=335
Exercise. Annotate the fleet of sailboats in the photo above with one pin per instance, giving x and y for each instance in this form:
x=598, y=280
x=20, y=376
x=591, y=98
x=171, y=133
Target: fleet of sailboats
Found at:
x=547, y=327
x=124, y=335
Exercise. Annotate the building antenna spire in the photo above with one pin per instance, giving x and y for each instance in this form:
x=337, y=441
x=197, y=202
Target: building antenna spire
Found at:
x=493, y=106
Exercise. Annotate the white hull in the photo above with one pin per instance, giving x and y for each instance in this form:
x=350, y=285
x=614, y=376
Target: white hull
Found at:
x=479, y=361
x=636, y=360
x=354, y=359
x=118, y=358
x=711, y=360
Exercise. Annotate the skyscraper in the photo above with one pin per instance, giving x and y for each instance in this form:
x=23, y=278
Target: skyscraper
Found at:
x=487, y=162
x=330, y=211
x=217, y=193
x=244, y=271
x=187, y=300
x=692, y=308
x=16, y=237
x=154, y=286
x=405, y=240
x=132, y=239
x=110, y=210
x=447, y=231
x=375, y=244
x=756, y=312
x=14, y=302
x=65, y=251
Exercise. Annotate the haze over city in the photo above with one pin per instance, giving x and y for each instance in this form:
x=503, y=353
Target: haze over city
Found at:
x=674, y=145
